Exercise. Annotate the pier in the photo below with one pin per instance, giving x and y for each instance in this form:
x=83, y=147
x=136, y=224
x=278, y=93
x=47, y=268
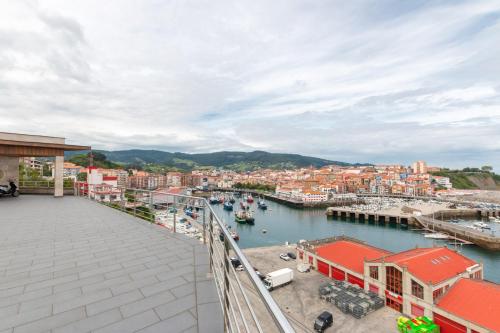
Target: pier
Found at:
x=370, y=216
x=459, y=233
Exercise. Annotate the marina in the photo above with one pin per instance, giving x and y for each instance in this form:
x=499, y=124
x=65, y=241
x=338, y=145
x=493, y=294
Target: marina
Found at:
x=285, y=224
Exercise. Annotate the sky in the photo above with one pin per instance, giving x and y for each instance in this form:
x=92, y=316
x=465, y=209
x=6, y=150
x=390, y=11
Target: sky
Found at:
x=355, y=81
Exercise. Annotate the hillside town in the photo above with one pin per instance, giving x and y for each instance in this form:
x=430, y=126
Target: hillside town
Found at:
x=302, y=184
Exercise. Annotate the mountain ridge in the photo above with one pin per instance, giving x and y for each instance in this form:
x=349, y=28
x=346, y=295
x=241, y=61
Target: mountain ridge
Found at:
x=237, y=160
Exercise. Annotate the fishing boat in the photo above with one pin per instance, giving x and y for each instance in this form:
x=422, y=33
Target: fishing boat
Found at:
x=437, y=235
x=228, y=206
x=213, y=200
x=481, y=225
x=232, y=200
x=262, y=204
x=249, y=198
x=250, y=219
x=240, y=216
x=244, y=205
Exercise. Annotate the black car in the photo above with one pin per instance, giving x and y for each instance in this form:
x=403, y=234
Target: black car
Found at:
x=323, y=321
x=292, y=255
x=236, y=263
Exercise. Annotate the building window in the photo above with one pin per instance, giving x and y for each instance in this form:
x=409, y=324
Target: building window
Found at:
x=437, y=293
x=417, y=290
x=374, y=272
x=394, y=280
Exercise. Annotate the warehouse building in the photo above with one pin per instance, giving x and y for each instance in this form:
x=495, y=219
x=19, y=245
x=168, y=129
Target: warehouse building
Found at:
x=415, y=282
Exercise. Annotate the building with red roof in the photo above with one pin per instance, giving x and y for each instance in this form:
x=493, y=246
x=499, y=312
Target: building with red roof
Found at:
x=340, y=258
x=412, y=282
x=469, y=304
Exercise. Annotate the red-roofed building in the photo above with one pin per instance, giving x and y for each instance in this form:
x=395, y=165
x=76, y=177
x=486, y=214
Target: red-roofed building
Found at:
x=342, y=258
x=469, y=304
x=412, y=281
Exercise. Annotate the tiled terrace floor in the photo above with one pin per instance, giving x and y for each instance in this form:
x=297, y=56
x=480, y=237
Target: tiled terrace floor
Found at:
x=71, y=265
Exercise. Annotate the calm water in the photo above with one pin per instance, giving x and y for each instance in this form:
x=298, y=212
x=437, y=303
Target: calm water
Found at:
x=288, y=224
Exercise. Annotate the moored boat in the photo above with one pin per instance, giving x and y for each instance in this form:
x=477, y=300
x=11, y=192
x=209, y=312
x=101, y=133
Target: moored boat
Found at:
x=262, y=204
x=213, y=200
x=437, y=235
x=481, y=225
x=240, y=216
x=228, y=206
x=249, y=198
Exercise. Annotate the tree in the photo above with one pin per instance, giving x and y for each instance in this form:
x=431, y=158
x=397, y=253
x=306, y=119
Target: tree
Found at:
x=82, y=177
x=487, y=168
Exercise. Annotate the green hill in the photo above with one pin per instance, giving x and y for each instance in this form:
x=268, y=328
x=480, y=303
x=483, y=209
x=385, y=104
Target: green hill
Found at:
x=478, y=180
x=241, y=161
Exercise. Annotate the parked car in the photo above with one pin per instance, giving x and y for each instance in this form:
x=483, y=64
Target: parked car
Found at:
x=323, y=321
x=292, y=255
x=236, y=264
x=284, y=256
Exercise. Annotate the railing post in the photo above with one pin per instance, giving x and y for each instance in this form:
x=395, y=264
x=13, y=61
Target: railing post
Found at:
x=211, y=239
x=175, y=214
x=204, y=223
x=151, y=209
x=135, y=202
x=226, y=284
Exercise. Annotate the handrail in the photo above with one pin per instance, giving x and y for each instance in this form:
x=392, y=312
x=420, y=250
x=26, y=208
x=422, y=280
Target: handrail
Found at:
x=229, y=288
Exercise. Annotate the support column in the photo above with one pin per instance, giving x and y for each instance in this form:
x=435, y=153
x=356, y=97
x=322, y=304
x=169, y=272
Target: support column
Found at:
x=58, y=177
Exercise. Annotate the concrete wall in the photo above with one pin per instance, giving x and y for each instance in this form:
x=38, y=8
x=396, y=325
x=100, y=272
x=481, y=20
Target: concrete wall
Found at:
x=9, y=169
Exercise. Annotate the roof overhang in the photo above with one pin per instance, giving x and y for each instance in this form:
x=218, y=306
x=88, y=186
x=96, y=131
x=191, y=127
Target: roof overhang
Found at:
x=36, y=149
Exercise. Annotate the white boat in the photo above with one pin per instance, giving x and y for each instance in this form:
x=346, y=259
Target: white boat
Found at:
x=481, y=225
x=437, y=235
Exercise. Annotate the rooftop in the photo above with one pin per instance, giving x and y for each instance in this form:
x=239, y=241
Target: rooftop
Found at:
x=434, y=265
x=474, y=300
x=350, y=254
x=72, y=265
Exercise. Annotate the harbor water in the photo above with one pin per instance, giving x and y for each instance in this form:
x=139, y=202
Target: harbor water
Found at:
x=284, y=224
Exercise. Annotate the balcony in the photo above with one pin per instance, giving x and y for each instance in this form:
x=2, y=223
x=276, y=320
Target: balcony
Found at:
x=73, y=265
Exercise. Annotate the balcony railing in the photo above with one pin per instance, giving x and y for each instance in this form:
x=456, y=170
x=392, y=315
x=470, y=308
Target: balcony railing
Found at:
x=36, y=184
x=246, y=304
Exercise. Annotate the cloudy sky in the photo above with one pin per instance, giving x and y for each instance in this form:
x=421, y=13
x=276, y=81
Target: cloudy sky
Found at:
x=357, y=81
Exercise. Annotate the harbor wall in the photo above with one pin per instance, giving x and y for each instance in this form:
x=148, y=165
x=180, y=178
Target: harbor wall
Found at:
x=486, y=241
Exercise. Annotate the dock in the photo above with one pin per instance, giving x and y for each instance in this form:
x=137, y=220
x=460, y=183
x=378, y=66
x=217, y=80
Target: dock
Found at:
x=459, y=233
x=370, y=216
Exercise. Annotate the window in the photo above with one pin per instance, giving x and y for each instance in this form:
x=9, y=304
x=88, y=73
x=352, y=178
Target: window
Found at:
x=374, y=272
x=436, y=293
x=417, y=290
x=394, y=280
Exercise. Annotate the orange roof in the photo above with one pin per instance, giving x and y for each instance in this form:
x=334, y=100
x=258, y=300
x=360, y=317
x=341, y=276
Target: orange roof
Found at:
x=349, y=254
x=474, y=300
x=434, y=265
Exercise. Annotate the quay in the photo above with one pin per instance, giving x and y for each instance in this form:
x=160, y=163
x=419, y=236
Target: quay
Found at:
x=460, y=233
x=378, y=217
x=456, y=233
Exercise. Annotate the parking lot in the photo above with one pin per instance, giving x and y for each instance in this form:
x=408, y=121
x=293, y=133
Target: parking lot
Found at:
x=300, y=300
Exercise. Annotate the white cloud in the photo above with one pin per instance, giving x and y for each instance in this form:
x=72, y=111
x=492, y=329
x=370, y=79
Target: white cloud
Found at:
x=342, y=80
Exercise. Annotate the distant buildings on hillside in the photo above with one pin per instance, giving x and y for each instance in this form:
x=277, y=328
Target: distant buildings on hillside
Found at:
x=304, y=184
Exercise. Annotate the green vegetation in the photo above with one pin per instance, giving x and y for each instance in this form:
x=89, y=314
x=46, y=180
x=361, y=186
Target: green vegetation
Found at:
x=238, y=161
x=471, y=178
x=100, y=161
x=82, y=177
x=258, y=187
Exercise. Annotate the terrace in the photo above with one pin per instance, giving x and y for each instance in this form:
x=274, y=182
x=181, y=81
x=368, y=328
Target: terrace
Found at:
x=71, y=265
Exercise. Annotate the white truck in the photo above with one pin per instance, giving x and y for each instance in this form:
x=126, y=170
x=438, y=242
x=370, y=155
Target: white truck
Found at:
x=278, y=278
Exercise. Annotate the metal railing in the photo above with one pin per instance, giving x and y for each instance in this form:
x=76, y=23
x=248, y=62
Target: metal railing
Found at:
x=44, y=183
x=246, y=304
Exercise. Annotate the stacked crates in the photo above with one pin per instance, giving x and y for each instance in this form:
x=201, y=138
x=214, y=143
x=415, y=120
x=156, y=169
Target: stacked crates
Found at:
x=350, y=298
